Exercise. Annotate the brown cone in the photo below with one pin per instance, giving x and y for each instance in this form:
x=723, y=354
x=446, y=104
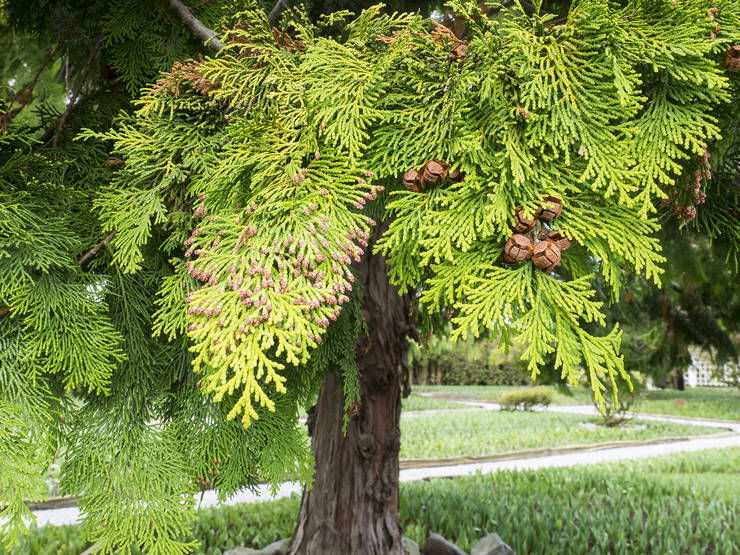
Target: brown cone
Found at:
x=517, y=249
x=560, y=240
x=732, y=58
x=522, y=224
x=552, y=209
x=433, y=172
x=546, y=255
x=412, y=180
x=456, y=176
x=459, y=51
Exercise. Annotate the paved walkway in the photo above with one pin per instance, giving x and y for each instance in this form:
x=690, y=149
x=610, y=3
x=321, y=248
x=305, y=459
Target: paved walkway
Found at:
x=70, y=515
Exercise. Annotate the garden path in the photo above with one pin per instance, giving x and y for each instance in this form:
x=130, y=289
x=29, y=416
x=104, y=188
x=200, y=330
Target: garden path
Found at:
x=69, y=515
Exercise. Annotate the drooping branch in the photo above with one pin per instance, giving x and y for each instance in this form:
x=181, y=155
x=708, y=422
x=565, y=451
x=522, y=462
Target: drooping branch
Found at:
x=183, y=13
x=94, y=251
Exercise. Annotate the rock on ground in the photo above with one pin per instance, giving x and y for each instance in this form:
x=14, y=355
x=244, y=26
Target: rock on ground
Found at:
x=491, y=544
x=437, y=545
x=279, y=547
x=410, y=547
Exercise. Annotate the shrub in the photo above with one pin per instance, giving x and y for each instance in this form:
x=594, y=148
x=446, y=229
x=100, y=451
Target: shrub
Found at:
x=617, y=413
x=527, y=398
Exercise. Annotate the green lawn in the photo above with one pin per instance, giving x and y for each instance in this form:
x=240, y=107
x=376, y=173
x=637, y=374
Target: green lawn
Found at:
x=426, y=436
x=684, y=503
x=721, y=403
x=418, y=402
x=699, y=402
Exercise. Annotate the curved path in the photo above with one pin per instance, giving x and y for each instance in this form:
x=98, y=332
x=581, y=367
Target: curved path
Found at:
x=69, y=515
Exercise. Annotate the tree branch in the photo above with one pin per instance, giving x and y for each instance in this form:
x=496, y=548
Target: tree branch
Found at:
x=94, y=251
x=276, y=11
x=184, y=14
x=76, y=92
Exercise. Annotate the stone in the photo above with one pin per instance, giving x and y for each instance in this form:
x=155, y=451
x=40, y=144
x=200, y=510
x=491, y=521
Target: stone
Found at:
x=437, y=545
x=410, y=547
x=280, y=547
x=491, y=544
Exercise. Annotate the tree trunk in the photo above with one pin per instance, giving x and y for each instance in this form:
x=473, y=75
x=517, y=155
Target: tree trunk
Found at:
x=678, y=381
x=353, y=505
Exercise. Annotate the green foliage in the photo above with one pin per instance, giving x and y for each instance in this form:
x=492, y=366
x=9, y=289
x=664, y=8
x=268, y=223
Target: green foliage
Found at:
x=527, y=399
x=21, y=475
x=213, y=225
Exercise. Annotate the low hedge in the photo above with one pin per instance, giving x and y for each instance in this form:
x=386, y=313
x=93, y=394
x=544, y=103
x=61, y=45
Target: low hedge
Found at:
x=528, y=398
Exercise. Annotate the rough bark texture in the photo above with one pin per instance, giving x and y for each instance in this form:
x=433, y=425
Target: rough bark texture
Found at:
x=353, y=505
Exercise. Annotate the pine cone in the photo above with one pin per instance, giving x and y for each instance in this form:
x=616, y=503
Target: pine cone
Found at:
x=522, y=224
x=560, y=240
x=433, y=172
x=732, y=58
x=546, y=256
x=456, y=176
x=517, y=249
x=412, y=180
x=459, y=51
x=552, y=208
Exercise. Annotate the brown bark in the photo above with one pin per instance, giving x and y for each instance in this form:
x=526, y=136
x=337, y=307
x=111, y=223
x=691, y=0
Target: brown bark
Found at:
x=353, y=505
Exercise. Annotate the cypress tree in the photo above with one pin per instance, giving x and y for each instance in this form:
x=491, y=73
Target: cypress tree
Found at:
x=257, y=228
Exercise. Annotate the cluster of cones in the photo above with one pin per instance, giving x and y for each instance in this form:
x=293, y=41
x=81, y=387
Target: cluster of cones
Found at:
x=432, y=172
x=441, y=35
x=546, y=247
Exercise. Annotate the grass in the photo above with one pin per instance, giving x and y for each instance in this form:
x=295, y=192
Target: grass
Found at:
x=721, y=403
x=491, y=432
x=682, y=503
x=416, y=402
x=687, y=503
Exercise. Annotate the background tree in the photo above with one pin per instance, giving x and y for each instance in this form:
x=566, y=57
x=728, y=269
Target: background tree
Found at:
x=179, y=280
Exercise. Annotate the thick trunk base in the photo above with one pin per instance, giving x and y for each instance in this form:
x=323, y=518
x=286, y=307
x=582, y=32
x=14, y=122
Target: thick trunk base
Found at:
x=353, y=505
